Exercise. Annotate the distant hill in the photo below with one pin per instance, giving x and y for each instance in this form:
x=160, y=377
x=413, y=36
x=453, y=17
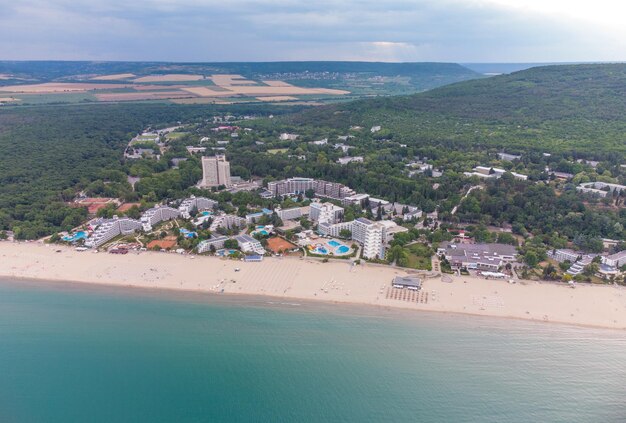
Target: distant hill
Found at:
x=360, y=78
x=577, y=107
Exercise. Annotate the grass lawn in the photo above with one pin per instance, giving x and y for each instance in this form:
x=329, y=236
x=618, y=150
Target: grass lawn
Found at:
x=176, y=135
x=278, y=150
x=419, y=257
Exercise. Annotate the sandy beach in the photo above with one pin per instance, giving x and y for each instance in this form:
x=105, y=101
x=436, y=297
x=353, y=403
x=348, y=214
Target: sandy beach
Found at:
x=335, y=281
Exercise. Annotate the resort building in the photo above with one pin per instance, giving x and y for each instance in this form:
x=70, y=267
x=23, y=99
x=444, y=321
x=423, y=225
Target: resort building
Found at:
x=493, y=172
x=288, y=137
x=326, y=213
x=616, y=260
x=346, y=160
x=227, y=221
x=215, y=172
x=565, y=254
x=356, y=199
x=359, y=229
x=372, y=235
x=193, y=204
x=334, y=230
x=110, y=228
x=216, y=242
x=247, y=244
x=508, y=157
x=477, y=256
x=374, y=243
x=254, y=217
x=194, y=150
x=289, y=214
x=157, y=214
x=601, y=189
x=295, y=186
x=416, y=214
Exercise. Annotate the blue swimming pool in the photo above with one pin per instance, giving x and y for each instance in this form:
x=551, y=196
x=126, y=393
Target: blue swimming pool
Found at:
x=343, y=249
x=75, y=237
x=223, y=253
x=334, y=243
x=320, y=250
x=187, y=233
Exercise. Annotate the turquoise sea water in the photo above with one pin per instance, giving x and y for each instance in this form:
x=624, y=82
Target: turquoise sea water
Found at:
x=75, y=354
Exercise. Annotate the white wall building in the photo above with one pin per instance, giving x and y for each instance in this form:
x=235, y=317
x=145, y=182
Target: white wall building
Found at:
x=289, y=214
x=616, y=260
x=110, y=228
x=228, y=221
x=249, y=244
x=374, y=243
x=216, y=242
x=215, y=172
x=325, y=213
x=346, y=160
x=157, y=214
x=192, y=204
x=335, y=229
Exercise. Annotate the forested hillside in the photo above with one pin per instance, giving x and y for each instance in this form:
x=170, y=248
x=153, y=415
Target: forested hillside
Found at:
x=48, y=153
x=576, y=108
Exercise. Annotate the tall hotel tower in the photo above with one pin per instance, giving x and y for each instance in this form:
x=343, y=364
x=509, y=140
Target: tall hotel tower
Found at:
x=215, y=172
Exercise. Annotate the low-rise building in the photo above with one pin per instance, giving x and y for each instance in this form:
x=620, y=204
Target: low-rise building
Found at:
x=334, y=229
x=346, y=160
x=410, y=282
x=601, y=189
x=493, y=172
x=616, y=260
x=508, y=157
x=216, y=241
x=477, y=256
x=247, y=244
x=288, y=137
x=289, y=214
x=565, y=254
x=254, y=217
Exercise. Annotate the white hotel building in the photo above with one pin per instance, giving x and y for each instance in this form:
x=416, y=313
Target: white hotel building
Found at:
x=372, y=235
x=321, y=188
x=335, y=229
x=326, y=213
x=157, y=214
x=228, y=221
x=110, y=228
x=216, y=242
x=289, y=214
x=192, y=204
x=249, y=244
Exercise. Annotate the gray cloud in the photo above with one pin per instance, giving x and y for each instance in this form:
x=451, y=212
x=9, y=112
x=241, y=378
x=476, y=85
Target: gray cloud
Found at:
x=231, y=30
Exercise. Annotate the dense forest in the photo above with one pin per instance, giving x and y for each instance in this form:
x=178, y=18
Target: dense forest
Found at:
x=576, y=109
x=49, y=153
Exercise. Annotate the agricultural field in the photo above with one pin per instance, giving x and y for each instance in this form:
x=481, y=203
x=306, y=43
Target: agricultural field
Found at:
x=288, y=83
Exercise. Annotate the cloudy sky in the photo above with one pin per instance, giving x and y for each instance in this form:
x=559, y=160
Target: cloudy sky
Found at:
x=267, y=30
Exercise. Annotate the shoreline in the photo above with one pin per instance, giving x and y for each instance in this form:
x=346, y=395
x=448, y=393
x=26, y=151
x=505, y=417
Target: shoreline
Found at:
x=295, y=279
